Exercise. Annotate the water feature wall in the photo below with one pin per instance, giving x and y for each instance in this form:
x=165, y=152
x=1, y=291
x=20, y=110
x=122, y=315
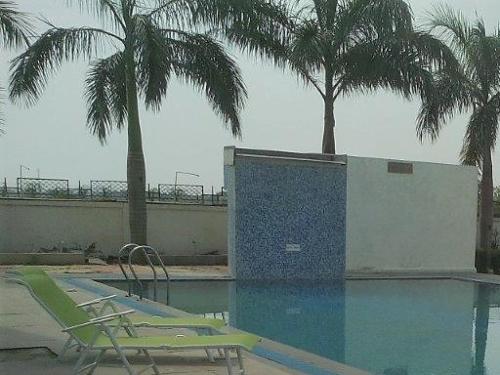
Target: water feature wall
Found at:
x=286, y=215
x=313, y=216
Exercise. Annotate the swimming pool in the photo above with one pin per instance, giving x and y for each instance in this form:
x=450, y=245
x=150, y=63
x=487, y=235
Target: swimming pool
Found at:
x=390, y=327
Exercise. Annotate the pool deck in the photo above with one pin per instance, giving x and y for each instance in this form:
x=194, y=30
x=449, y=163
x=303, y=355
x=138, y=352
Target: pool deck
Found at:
x=29, y=338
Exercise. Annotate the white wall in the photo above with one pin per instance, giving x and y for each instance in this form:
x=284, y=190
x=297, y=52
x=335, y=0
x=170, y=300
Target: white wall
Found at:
x=425, y=221
x=28, y=225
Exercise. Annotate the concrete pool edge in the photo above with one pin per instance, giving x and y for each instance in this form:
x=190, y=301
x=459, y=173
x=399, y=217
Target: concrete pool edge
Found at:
x=295, y=360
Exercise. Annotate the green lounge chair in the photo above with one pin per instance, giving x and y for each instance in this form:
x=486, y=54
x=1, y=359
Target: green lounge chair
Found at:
x=97, y=335
x=138, y=321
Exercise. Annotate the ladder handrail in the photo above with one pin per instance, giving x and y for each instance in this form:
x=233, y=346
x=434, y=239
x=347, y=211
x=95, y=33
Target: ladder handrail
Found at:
x=128, y=247
x=148, y=252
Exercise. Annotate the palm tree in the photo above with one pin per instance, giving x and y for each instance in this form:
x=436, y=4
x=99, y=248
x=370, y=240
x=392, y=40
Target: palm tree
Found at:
x=151, y=45
x=345, y=46
x=14, y=29
x=473, y=85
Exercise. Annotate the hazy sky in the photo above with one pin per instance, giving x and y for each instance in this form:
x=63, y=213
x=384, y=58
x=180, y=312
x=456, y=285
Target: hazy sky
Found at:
x=186, y=136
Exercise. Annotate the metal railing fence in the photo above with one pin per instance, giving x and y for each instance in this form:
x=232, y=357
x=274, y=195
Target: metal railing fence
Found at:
x=110, y=190
x=42, y=187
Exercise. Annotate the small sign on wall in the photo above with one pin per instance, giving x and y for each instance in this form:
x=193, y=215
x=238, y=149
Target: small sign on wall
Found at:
x=399, y=167
x=292, y=247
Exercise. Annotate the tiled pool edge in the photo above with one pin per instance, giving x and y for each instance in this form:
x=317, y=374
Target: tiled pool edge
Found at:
x=292, y=358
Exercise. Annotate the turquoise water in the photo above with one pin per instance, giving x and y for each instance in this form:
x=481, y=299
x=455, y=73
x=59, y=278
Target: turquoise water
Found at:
x=389, y=327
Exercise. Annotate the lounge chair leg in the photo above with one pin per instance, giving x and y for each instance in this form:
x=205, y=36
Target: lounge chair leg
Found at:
x=97, y=359
x=125, y=361
x=228, y=362
x=65, y=348
x=153, y=364
x=79, y=364
x=210, y=356
x=240, y=361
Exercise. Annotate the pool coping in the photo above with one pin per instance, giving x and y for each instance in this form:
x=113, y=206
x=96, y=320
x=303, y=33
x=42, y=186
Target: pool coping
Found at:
x=294, y=359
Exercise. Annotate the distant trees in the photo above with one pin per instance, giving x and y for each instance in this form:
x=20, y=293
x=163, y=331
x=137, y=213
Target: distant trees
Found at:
x=471, y=85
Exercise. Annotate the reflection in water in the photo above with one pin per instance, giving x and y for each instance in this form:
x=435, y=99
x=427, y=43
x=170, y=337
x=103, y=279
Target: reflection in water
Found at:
x=295, y=314
x=392, y=327
x=481, y=329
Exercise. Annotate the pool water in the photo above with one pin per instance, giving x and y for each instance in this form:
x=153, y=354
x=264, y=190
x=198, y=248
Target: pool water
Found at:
x=389, y=327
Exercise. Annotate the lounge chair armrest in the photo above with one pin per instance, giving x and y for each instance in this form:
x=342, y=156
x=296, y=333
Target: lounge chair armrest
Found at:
x=89, y=323
x=113, y=316
x=96, y=301
x=99, y=320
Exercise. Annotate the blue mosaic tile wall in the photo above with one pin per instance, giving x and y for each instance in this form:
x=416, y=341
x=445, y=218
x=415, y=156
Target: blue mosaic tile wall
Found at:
x=273, y=203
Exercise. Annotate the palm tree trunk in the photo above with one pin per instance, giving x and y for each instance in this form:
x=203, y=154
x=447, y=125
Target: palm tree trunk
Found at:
x=328, y=146
x=136, y=171
x=486, y=210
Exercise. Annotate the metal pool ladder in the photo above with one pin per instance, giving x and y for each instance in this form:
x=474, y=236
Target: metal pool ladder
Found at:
x=127, y=252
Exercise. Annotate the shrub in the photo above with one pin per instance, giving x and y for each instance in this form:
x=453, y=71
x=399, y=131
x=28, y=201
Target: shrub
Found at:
x=495, y=261
x=482, y=261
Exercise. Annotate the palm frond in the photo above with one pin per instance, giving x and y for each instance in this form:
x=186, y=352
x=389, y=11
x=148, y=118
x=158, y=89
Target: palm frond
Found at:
x=260, y=43
x=154, y=61
x=328, y=11
x=249, y=12
x=203, y=62
x=108, y=11
x=483, y=59
x=263, y=31
x=452, y=26
x=171, y=13
x=481, y=132
x=31, y=70
x=400, y=63
x=106, y=96
x=360, y=20
x=14, y=25
x=307, y=48
x=451, y=92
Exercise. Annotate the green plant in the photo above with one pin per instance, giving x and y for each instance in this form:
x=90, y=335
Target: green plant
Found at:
x=482, y=261
x=473, y=86
x=152, y=45
x=495, y=261
x=343, y=47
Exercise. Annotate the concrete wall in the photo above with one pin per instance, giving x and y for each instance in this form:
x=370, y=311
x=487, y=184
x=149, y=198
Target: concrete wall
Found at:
x=423, y=221
x=28, y=225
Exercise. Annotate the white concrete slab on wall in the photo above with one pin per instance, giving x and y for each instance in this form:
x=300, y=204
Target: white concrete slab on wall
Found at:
x=423, y=221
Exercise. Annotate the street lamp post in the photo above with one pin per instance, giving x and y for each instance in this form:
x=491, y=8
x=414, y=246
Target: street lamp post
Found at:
x=21, y=167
